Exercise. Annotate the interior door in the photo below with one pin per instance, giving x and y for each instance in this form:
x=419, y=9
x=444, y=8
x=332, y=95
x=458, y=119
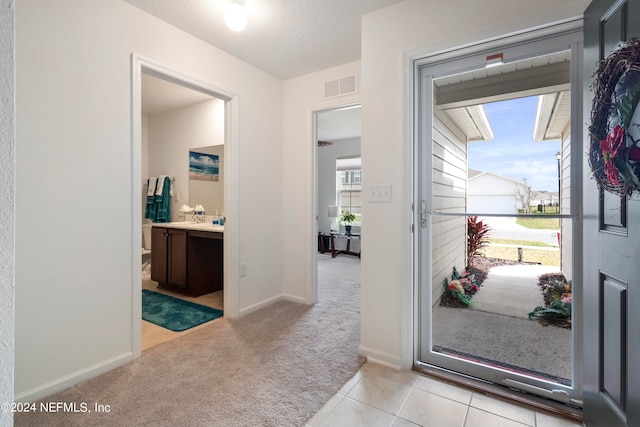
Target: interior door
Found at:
x=612, y=242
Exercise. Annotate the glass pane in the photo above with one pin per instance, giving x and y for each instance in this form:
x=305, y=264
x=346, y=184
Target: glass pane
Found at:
x=509, y=306
x=501, y=255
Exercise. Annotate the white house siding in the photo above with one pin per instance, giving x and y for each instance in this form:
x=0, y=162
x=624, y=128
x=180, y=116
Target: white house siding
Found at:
x=449, y=196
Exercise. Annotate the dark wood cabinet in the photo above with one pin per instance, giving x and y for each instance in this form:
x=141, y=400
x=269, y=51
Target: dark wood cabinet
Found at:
x=187, y=261
x=204, y=263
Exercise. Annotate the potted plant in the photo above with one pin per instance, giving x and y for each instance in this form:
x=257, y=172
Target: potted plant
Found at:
x=347, y=218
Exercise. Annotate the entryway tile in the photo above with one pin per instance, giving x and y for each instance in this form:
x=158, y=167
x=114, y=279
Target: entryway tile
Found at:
x=399, y=422
x=351, y=383
x=407, y=378
x=503, y=409
x=325, y=410
x=351, y=413
x=430, y=410
x=546, y=420
x=479, y=418
x=443, y=389
x=381, y=393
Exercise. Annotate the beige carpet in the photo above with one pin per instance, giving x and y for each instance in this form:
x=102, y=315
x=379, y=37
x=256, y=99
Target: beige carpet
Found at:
x=275, y=367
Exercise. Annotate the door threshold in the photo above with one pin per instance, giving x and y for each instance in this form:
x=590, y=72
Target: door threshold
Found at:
x=535, y=402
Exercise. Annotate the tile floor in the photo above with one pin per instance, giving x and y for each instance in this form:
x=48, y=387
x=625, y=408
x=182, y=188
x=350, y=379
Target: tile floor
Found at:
x=380, y=396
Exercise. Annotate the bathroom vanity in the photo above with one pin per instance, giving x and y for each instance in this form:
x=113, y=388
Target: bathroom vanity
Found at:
x=187, y=257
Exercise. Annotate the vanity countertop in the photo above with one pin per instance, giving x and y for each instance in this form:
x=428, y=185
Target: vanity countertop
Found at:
x=203, y=226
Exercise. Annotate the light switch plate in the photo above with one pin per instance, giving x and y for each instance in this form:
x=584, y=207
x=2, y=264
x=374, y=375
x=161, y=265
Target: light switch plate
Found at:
x=243, y=269
x=380, y=193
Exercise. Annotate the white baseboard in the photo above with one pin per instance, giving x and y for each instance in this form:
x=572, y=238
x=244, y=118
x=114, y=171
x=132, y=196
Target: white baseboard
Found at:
x=294, y=298
x=74, y=378
x=259, y=305
x=380, y=358
x=269, y=301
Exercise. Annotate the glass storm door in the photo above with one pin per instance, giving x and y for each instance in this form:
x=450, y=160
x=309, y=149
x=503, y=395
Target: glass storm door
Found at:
x=497, y=212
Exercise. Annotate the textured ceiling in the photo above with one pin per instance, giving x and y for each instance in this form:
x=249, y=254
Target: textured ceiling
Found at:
x=286, y=38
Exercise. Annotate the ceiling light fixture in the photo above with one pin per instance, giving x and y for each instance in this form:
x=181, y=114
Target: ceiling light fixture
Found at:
x=235, y=16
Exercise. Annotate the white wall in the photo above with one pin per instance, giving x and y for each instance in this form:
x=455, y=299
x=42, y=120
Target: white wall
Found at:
x=327, y=176
x=413, y=27
x=7, y=204
x=74, y=216
x=303, y=96
x=172, y=135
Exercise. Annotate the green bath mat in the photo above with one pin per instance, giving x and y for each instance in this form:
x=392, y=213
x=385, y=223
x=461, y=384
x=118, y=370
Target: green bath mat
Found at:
x=175, y=314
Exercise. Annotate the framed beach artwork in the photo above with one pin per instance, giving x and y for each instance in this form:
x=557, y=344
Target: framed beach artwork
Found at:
x=204, y=167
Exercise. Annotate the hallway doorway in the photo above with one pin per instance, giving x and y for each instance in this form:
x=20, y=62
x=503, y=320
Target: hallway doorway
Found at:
x=338, y=188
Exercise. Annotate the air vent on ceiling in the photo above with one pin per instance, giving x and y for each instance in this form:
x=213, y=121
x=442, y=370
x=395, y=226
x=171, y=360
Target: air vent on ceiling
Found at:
x=342, y=86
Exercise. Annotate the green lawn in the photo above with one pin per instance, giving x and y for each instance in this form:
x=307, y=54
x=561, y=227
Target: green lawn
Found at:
x=543, y=257
x=540, y=222
x=521, y=243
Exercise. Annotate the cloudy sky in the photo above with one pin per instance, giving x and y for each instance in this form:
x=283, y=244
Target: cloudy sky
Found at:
x=513, y=152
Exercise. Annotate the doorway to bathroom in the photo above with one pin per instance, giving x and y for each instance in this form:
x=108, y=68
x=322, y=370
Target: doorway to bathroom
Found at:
x=178, y=122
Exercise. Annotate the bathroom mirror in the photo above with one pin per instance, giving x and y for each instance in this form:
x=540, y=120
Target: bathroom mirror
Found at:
x=206, y=178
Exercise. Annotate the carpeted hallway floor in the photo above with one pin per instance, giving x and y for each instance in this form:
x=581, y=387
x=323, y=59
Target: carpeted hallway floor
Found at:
x=275, y=367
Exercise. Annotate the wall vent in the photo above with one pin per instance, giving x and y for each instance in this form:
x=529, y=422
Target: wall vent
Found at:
x=343, y=86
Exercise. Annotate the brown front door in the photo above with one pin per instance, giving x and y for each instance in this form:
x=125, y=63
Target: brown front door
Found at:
x=611, y=247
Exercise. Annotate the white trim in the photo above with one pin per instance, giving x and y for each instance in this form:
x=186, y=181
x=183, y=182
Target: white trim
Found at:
x=576, y=208
x=140, y=64
x=294, y=298
x=259, y=305
x=381, y=358
x=311, y=291
x=73, y=378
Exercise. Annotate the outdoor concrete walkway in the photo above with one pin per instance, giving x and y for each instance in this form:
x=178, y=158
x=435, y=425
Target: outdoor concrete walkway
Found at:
x=512, y=290
x=498, y=329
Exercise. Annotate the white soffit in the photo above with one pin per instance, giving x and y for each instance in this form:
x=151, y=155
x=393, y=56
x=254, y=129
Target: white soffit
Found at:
x=461, y=96
x=472, y=121
x=553, y=117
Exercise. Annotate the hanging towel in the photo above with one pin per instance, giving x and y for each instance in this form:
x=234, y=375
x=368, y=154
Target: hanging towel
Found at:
x=150, y=210
x=151, y=186
x=163, y=202
x=160, y=185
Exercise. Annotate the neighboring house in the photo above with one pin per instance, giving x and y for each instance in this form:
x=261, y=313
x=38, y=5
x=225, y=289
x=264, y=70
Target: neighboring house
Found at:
x=492, y=193
x=544, y=198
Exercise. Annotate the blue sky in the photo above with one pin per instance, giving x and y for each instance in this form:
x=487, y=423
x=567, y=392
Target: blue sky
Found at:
x=513, y=152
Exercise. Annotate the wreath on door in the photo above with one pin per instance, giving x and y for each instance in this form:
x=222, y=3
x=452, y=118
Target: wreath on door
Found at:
x=614, y=151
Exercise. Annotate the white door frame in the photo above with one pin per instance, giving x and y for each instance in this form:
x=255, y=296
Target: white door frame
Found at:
x=139, y=65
